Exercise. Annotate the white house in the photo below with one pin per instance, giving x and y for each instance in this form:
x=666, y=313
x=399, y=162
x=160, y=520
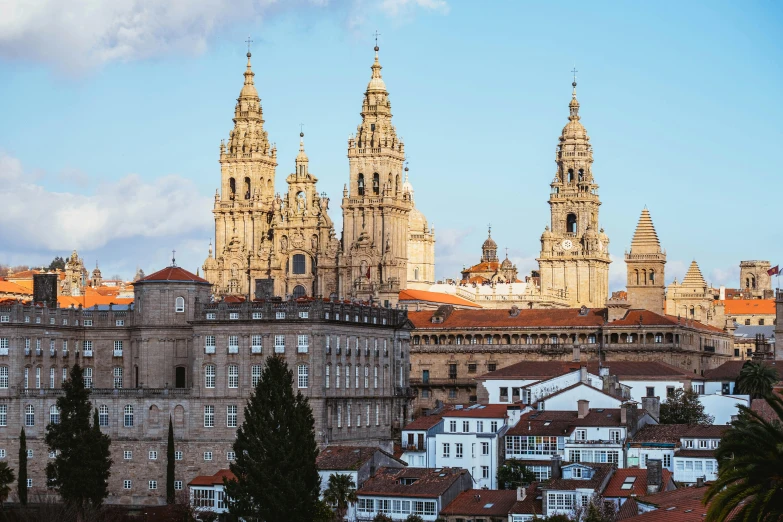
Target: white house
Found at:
x=399, y=493
x=723, y=407
x=207, y=493
x=470, y=439
x=567, y=398
x=573, y=485
x=418, y=441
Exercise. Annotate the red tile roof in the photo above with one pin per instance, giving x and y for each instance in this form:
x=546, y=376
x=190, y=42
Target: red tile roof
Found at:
x=488, y=411
x=749, y=306
x=672, y=433
x=552, y=422
x=347, y=458
x=426, y=422
x=729, y=371
x=540, y=370
x=601, y=473
x=482, y=502
x=614, y=488
x=212, y=480
x=435, y=297
x=629, y=509
x=173, y=273
x=679, y=505
x=695, y=454
x=429, y=482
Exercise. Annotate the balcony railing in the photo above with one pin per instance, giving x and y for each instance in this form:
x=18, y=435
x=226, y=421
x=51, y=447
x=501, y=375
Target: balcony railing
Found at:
x=88, y=353
x=209, y=349
x=256, y=349
x=118, y=353
x=233, y=349
x=53, y=352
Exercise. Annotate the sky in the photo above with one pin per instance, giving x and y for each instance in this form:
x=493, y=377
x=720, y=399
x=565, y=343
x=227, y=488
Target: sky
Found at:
x=111, y=116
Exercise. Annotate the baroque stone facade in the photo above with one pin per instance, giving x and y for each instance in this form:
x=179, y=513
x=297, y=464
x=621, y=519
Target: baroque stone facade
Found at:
x=574, y=255
x=645, y=267
x=174, y=353
x=289, y=243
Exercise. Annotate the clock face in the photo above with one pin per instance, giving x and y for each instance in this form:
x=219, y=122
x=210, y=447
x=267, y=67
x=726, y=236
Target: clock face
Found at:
x=567, y=244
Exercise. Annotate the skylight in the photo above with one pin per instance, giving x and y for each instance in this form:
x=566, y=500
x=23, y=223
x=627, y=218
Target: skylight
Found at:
x=487, y=506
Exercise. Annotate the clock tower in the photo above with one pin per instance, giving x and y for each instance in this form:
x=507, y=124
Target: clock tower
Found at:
x=574, y=260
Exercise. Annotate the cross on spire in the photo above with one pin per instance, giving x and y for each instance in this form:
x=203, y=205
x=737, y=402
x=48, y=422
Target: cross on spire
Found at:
x=489, y=226
x=173, y=259
x=574, y=71
x=376, y=35
x=248, y=42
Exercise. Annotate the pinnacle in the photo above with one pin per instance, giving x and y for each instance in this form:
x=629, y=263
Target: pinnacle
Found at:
x=693, y=276
x=645, y=239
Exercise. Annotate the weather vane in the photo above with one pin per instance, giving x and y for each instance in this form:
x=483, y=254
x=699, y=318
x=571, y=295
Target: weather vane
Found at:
x=574, y=71
x=248, y=42
x=377, y=34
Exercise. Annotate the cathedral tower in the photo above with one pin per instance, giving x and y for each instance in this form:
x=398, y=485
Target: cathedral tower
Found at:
x=374, y=258
x=574, y=260
x=243, y=205
x=421, y=245
x=644, y=264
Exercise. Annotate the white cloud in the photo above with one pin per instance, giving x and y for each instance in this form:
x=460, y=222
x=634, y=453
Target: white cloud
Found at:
x=80, y=34
x=35, y=218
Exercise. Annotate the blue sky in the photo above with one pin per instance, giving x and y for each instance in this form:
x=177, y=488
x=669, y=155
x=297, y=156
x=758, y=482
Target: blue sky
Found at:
x=111, y=115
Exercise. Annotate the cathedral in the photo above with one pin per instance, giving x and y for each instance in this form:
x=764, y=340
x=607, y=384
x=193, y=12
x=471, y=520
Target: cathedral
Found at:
x=268, y=245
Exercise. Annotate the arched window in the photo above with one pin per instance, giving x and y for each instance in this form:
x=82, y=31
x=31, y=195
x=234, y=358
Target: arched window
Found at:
x=29, y=415
x=179, y=377
x=581, y=175
x=103, y=415
x=128, y=417
x=644, y=273
x=247, y=188
x=232, y=187
x=571, y=223
x=753, y=282
x=303, y=376
x=361, y=185
x=179, y=304
x=636, y=274
x=693, y=311
x=652, y=277
x=209, y=376
x=54, y=415
x=299, y=264
x=376, y=184
x=397, y=184
x=570, y=175
x=299, y=291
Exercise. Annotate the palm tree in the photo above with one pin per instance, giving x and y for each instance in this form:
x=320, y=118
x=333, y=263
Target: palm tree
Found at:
x=340, y=493
x=756, y=379
x=6, y=479
x=750, y=457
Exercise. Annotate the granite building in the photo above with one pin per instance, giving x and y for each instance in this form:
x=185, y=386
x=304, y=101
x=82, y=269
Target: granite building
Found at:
x=176, y=354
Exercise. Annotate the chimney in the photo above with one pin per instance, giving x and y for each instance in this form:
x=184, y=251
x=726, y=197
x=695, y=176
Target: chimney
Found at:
x=583, y=408
x=654, y=476
x=653, y=406
x=521, y=493
x=557, y=472
x=722, y=294
x=623, y=415
x=583, y=374
x=699, y=482
x=45, y=289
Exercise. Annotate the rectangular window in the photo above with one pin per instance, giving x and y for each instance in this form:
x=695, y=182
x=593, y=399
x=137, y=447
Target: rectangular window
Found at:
x=4, y=377
x=458, y=450
x=256, y=315
x=303, y=376
x=485, y=472
x=493, y=426
x=356, y=384
x=88, y=377
x=233, y=316
x=153, y=455
x=3, y=415
x=211, y=316
x=51, y=377
x=667, y=461
x=231, y=416
x=177, y=485
x=209, y=376
x=233, y=344
x=126, y=484
x=231, y=456
x=29, y=454
x=485, y=448
x=88, y=322
x=255, y=344
x=233, y=376
x=177, y=455
x=118, y=348
x=153, y=484
x=326, y=375
x=255, y=374
x=279, y=315
x=580, y=435
x=446, y=450
x=302, y=343
x=118, y=378
x=127, y=455
x=209, y=344
x=209, y=416
x=207, y=455
x=5, y=318
x=4, y=344
x=128, y=417
x=38, y=378
x=453, y=426
x=119, y=322
x=279, y=343
x=465, y=426
x=304, y=315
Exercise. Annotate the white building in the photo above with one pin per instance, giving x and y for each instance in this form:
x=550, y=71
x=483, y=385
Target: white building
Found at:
x=723, y=407
x=207, y=493
x=573, y=485
x=418, y=441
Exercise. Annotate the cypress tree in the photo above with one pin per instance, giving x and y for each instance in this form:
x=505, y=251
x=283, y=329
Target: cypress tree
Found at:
x=81, y=468
x=21, y=484
x=277, y=479
x=170, y=466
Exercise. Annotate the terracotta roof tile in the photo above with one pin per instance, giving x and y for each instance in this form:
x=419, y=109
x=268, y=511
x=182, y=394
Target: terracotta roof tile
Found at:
x=173, y=273
x=211, y=480
x=629, y=509
x=540, y=370
x=7, y=287
x=730, y=370
x=695, y=454
x=749, y=306
x=488, y=411
x=552, y=422
x=601, y=472
x=614, y=488
x=429, y=482
x=487, y=502
x=435, y=297
x=679, y=505
x=345, y=457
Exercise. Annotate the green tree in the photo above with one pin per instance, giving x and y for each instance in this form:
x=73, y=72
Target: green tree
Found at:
x=21, y=483
x=170, y=493
x=750, y=457
x=756, y=379
x=57, y=263
x=414, y=518
x=513, y=474
x=276, y=475
x=82, y=466
x=380, y=517
x=684, y=407
x=6, y=479
x=340, y=493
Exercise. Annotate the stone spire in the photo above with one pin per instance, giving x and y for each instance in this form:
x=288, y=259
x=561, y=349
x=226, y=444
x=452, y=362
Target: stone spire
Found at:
x=249, y=88
x=301, y=158
x=645, y=239
x=693, y=277
x=248, y=134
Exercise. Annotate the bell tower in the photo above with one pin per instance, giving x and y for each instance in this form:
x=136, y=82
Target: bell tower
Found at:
x=644, y=264
x=376, y=206
x=243, y=204
x=574, y=260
